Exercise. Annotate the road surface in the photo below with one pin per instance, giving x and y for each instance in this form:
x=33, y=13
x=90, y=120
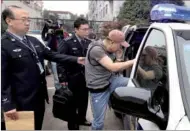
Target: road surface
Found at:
x=51, y=123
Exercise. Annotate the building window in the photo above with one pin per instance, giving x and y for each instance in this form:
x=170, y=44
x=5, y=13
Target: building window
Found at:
x=104, y=12
x=106, y=9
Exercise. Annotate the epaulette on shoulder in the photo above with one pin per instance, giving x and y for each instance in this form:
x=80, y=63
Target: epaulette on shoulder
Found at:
x=68, y=38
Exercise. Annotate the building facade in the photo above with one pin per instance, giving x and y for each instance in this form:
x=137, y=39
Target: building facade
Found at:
x=33, y=7
x=104, y=10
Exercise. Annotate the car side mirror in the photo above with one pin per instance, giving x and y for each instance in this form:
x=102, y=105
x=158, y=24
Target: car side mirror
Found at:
x=137, y=102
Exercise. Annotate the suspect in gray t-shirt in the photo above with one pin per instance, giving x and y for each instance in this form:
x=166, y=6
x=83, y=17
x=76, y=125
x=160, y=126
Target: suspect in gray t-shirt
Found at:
x=97, y=76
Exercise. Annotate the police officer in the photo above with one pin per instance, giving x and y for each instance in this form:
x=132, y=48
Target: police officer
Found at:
x=23, y=86
x=76, y=45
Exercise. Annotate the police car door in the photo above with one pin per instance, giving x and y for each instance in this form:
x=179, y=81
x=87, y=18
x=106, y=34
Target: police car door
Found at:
x=154, y=38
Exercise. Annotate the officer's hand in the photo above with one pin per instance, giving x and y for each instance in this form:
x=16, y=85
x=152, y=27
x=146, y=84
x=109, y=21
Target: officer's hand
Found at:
x=81, y=60
x=12, y=114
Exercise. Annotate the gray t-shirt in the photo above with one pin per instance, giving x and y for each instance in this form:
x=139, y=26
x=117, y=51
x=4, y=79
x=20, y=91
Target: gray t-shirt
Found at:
x=96, y=75
x=152, y=84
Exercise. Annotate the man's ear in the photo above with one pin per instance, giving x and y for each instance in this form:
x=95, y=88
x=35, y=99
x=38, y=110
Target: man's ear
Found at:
x=76, y=29
x=8, y=21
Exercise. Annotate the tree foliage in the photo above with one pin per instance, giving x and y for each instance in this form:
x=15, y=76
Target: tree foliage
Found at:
x=106, y=27
x=137, y=11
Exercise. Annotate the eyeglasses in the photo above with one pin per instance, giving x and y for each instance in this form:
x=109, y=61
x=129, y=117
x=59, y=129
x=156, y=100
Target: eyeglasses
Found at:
x=113, y=42
x=24, y=20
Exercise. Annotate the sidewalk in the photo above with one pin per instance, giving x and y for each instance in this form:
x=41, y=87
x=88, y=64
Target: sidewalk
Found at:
x=51, y=123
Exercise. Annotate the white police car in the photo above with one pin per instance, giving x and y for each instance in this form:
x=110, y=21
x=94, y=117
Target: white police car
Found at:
x=158, y=94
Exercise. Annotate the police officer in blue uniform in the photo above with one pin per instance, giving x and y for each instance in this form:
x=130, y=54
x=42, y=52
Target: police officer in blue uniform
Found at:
x=23, y=84
x=73, y=74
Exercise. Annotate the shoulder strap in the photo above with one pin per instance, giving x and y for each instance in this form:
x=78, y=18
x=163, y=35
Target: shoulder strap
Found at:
x=89, y=55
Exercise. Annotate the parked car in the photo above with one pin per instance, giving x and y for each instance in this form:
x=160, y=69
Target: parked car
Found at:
x=161, y=103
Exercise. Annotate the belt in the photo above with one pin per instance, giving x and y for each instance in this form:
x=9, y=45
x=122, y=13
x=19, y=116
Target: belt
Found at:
x=99, y=90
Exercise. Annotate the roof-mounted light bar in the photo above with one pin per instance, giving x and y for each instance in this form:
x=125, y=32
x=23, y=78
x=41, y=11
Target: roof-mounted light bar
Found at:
x=170, y=12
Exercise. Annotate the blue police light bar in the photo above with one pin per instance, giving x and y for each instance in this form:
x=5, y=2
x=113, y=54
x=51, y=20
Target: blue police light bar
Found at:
x=170, y=12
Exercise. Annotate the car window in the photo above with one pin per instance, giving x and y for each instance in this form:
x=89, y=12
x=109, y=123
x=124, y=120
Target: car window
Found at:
x=151, y=72
x=186, y=53
x=134, y=40
x=186, y=58
x=152, y=61
x=183, y=46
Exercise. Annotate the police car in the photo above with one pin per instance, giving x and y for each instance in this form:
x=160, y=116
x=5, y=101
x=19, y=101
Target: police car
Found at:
x=161, y=101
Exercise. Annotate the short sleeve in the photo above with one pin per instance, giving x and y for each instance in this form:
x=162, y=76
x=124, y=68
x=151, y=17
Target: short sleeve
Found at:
x=97, y=53
x=158, y=72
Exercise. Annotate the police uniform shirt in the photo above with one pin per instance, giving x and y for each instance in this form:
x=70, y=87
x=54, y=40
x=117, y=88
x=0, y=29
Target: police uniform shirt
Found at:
x=16, y=36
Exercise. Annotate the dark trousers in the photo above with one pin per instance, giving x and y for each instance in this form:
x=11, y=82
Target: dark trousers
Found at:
x=39, y=115
x=3, y=127
x=78, y=110
x=38, y=119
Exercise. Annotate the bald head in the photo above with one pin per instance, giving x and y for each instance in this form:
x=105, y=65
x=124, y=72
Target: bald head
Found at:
x=118, y=36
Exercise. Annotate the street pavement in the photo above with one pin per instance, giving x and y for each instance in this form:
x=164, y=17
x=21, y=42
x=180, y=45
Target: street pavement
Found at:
x=51, y=123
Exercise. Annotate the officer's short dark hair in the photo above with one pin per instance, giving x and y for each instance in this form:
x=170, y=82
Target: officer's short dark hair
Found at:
x=8, y=13
x=80, y=21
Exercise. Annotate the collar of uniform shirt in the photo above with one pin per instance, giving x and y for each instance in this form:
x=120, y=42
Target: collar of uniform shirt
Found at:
x=79, y=39
x=17, y=36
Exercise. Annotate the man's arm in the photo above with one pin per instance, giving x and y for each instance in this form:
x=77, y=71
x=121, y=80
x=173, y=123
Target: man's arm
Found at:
x=155, y=73
x=147, y=75
x=115, y=67
x=6, y=97
x=62, y=74
x=59, y=58
x=98, y=54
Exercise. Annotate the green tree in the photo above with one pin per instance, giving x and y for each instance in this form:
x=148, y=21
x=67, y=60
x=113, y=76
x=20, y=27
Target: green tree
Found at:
x=135, y=11
x=106, y=27
x=138, y=11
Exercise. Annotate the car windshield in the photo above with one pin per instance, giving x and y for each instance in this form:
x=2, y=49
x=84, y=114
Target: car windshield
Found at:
x=183, y=40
